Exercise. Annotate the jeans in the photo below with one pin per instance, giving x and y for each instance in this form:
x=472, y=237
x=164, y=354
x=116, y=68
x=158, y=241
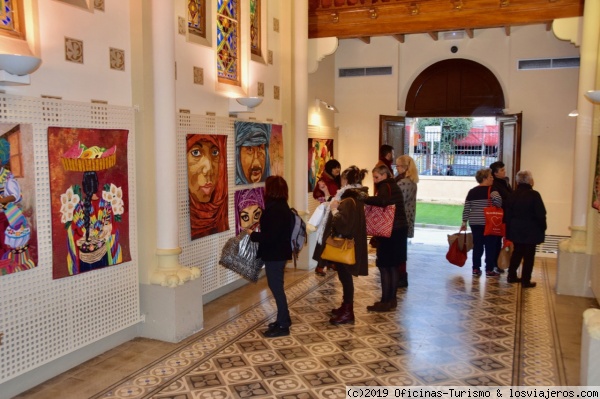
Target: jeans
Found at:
x=275, y=270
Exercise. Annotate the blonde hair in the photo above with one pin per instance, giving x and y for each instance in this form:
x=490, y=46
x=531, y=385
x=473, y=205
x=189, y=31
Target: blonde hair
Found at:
x=411, y=173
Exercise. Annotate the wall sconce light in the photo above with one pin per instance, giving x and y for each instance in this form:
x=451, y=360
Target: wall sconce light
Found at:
x=593, y=96
x=244, y=104
x=330, y=107
x=574, y=113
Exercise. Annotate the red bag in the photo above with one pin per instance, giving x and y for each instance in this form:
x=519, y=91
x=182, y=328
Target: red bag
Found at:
x=493, y=219
x=379, y=220
x=456, y=255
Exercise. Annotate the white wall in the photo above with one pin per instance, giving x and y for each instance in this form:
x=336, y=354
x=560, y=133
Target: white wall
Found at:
x=545, y=97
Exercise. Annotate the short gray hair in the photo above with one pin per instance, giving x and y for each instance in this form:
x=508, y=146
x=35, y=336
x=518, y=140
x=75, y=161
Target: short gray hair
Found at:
x=524, y=177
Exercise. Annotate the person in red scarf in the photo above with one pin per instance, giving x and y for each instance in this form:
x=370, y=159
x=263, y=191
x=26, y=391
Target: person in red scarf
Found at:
x=207, y=182
x=329, y=182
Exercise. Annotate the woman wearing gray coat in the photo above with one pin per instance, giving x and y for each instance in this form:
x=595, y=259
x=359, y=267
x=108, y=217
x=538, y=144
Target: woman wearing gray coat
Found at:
x=525, y=218
x=407, y=179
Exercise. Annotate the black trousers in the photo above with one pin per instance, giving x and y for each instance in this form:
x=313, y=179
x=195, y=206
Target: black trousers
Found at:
x=489, y=243
x=526, y=253
x=274, y=270
x=347, y=283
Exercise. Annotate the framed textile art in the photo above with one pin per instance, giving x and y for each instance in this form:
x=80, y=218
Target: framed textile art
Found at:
x=276, y=150
x=249, y=206
x=596, y=183
x=89, y=194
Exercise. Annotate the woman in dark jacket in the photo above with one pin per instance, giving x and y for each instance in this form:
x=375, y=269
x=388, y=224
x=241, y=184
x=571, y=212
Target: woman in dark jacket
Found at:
x=275, y=249
x=391, y=252
x=348, y=220
x=525, y=217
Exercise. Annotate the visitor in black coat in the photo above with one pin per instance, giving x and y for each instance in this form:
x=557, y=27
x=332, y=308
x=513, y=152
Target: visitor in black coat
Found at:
x=525, y=218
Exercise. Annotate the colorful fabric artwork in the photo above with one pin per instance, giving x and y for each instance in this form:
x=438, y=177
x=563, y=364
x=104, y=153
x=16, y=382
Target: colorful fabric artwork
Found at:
x=89, y=198
x=276, y=150
x=252, y=158
x=319, y=152
x=249, y=206
x=206, y=157
x=18, y=237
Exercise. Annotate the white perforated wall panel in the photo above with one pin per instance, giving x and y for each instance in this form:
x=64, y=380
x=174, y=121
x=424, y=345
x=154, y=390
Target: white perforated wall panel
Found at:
x=206, y=251
x=43, y=319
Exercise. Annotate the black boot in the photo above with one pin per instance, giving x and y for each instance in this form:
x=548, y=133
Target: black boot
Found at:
x=403, y=280
x=345, y=315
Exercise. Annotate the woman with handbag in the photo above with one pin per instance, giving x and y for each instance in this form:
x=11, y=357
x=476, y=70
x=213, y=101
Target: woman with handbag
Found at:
x=274, y=249
x=477, y=199
x=391, y=251
x=348, y=221
x=407, y=179
x=325, y=190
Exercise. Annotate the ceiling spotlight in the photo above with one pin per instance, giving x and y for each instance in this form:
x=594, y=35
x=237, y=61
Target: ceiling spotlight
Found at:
x=330, y=107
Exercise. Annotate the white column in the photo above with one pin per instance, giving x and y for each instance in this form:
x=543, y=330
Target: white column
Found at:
x=169, y=272
x=583, y=132
x=300, y=67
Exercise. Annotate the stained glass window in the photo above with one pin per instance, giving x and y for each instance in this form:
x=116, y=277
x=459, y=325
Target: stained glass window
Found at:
x=197, y=18
x=10, y=23
x=255, y=26
x=228, y=54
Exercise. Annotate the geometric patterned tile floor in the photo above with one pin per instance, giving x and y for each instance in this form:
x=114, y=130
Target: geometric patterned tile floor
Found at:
x=449, y=329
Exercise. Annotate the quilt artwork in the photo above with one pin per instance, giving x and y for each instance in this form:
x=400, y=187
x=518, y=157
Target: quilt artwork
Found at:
x=89, y=194
x=252, y=156
x=319, y=152
x=206, y=157
x=18, y=234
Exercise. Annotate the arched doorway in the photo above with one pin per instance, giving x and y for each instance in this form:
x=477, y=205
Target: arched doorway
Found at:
x=458, y=88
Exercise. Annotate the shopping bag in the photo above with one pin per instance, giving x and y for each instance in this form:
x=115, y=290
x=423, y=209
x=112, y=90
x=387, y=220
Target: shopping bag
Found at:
x=339, y=250
x=457, y=255
x=494, y=216
x=505, y=254
x=245, y=265
x=379, y=220
x=317, y=216
x=463, y=238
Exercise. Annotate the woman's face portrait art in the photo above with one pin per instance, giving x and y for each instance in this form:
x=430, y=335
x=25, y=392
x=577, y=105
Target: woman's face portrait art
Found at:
x=203, y=169
x=207, y=184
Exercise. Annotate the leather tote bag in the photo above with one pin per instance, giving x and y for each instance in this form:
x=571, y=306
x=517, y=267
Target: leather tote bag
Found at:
x=339, y=250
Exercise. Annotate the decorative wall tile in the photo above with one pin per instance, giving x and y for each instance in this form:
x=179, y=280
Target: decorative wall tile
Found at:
x=261, y=89
x=74, y=50
x=270, y=57
x=117, y=59
x=275, y=25
x=99, y=5
x=276, y=92
x=181, y=25
x=198, y=76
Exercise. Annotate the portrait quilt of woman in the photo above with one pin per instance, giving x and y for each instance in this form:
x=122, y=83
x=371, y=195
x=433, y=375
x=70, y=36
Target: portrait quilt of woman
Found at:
x=249, y=206
x=252, y=159
x=206, y=157
x=89, y=190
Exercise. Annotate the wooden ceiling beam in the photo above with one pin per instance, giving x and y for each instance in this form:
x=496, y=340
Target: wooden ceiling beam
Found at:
x=507, y=30
x=394, y=18
x=434, y=35
x=365, y=39
x=470, y=32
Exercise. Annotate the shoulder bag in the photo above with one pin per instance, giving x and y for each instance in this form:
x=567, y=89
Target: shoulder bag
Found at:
x=494, y=216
